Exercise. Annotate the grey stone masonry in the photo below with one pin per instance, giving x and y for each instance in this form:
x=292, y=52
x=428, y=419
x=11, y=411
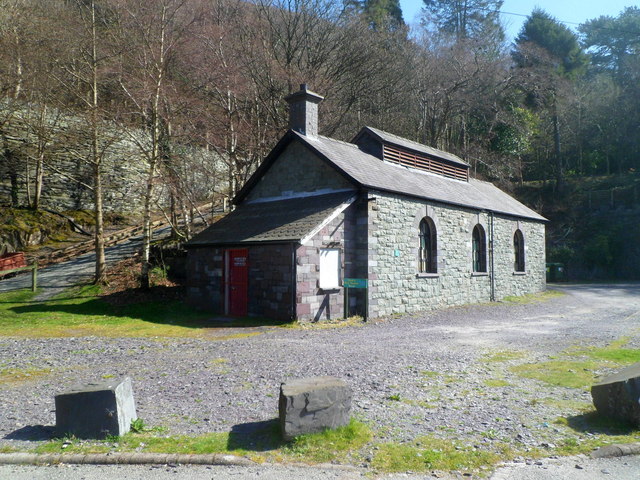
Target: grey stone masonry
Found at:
x=313, y=404
x=205, y=280
x=618, y=396
x=298, y=170
x=96, y=410
x=396, y=285
x=347, y=233
x=303, y=111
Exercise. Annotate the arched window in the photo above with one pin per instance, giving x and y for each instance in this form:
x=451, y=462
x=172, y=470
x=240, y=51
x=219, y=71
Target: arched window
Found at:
x=428, y=251
x=518, y=250
x=479, y=249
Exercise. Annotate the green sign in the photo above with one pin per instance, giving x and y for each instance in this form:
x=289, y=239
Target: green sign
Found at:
x=354, y=283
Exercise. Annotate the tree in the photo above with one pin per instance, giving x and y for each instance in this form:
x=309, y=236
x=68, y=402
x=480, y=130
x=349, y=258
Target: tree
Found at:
x=549, y=58
x=554, y=42
x=150, y=35
x=614, y=43
x=29, y=43
x=383, y=14
x=82, y=76
x=463, y=19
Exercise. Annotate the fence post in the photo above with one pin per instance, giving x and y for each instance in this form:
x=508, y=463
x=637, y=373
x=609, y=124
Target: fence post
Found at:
x=34, y=276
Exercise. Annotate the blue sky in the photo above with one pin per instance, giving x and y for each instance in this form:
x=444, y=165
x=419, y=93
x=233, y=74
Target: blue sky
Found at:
x=576, y=11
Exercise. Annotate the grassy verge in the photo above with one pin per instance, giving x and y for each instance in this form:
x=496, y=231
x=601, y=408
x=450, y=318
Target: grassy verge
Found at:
x=352, y=444
x=82, y=312
x=534, y=297
x=261, y=443
x=430, y=453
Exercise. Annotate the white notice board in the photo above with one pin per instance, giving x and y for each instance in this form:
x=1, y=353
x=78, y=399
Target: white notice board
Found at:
x=329, y=268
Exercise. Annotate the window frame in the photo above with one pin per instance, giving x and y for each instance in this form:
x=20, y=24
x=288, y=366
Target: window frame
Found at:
x=478, y=249
x=519, y=264
x=427, y=247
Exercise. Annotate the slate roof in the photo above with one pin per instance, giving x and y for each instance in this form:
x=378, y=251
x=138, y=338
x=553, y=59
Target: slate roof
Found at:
x=370, y=172
x=410, y=145
x=277, y=222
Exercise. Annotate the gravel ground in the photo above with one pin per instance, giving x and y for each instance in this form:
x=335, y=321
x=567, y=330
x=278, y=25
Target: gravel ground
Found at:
x=411, y=376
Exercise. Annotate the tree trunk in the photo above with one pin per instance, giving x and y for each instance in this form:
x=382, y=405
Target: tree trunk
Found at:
x=38, y=182
x=100, y=276
x=557, y=149
x=146, y=228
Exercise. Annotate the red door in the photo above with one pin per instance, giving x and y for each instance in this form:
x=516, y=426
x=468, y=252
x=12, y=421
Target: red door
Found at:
x=237, y=281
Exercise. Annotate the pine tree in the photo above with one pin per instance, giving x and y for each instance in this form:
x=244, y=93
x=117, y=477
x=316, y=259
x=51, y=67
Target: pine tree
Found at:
x=466, y=18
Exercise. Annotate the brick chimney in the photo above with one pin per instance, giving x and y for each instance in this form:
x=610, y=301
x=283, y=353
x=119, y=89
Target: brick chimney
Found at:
x=303, y=111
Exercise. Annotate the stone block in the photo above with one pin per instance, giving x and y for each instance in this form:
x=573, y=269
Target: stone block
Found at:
x=96, y=410
x=617, y=396
x=313, y=404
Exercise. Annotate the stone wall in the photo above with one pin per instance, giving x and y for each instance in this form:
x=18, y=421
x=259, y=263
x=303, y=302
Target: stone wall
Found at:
x=67, y=171
x=347, y=233
x=270, y=281
x=396, y=286
x=297, y=170
x=205, y=270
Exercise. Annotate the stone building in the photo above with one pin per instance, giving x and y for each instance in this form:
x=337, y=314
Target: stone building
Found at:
x=403, y=218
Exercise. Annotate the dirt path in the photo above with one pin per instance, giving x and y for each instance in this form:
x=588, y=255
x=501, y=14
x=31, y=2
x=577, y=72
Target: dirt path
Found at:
x=55, y=278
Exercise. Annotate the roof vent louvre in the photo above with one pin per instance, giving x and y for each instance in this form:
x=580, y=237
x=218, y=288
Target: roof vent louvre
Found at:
x=423, y=162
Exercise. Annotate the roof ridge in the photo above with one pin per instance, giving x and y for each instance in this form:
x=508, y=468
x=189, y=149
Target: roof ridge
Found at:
x=349, y=144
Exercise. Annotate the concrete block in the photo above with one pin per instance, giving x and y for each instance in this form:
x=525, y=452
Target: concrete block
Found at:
x=96, y=410
x=313, y=404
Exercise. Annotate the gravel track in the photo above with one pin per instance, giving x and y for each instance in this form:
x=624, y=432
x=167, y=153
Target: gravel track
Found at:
x=411, y=376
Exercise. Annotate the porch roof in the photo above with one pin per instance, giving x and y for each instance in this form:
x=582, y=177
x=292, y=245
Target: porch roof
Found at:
x=280, y=221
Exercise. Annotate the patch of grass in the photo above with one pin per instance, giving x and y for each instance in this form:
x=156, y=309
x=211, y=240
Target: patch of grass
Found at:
x=621, y=356
x=534, y=297
x=16, y=297
x=354, y=321
x=562, y=404
x=429, y=453
x=258, y=442
x=561, y=373
x=7, y=449
x=201, y=444
x=503, y=356
x=429, y=374
x=330, y=445
x=19, y=375
x=419, y=403
x=394, y=397
x=73, y=445
x=496, y=383
x=81, y=312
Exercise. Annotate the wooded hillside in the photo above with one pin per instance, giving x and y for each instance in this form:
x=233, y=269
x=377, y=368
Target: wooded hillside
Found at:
x=211, y=75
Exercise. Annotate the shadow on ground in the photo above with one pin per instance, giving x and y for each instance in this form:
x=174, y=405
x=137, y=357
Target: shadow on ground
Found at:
x=160, y=305
x=592, y=422
x=256, y=436
x=33, y=433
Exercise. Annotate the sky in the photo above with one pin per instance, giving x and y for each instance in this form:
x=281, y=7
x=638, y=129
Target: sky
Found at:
x=575, y=11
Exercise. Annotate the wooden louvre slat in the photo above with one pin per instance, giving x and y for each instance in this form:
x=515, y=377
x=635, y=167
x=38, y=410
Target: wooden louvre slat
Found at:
x=422, y=162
